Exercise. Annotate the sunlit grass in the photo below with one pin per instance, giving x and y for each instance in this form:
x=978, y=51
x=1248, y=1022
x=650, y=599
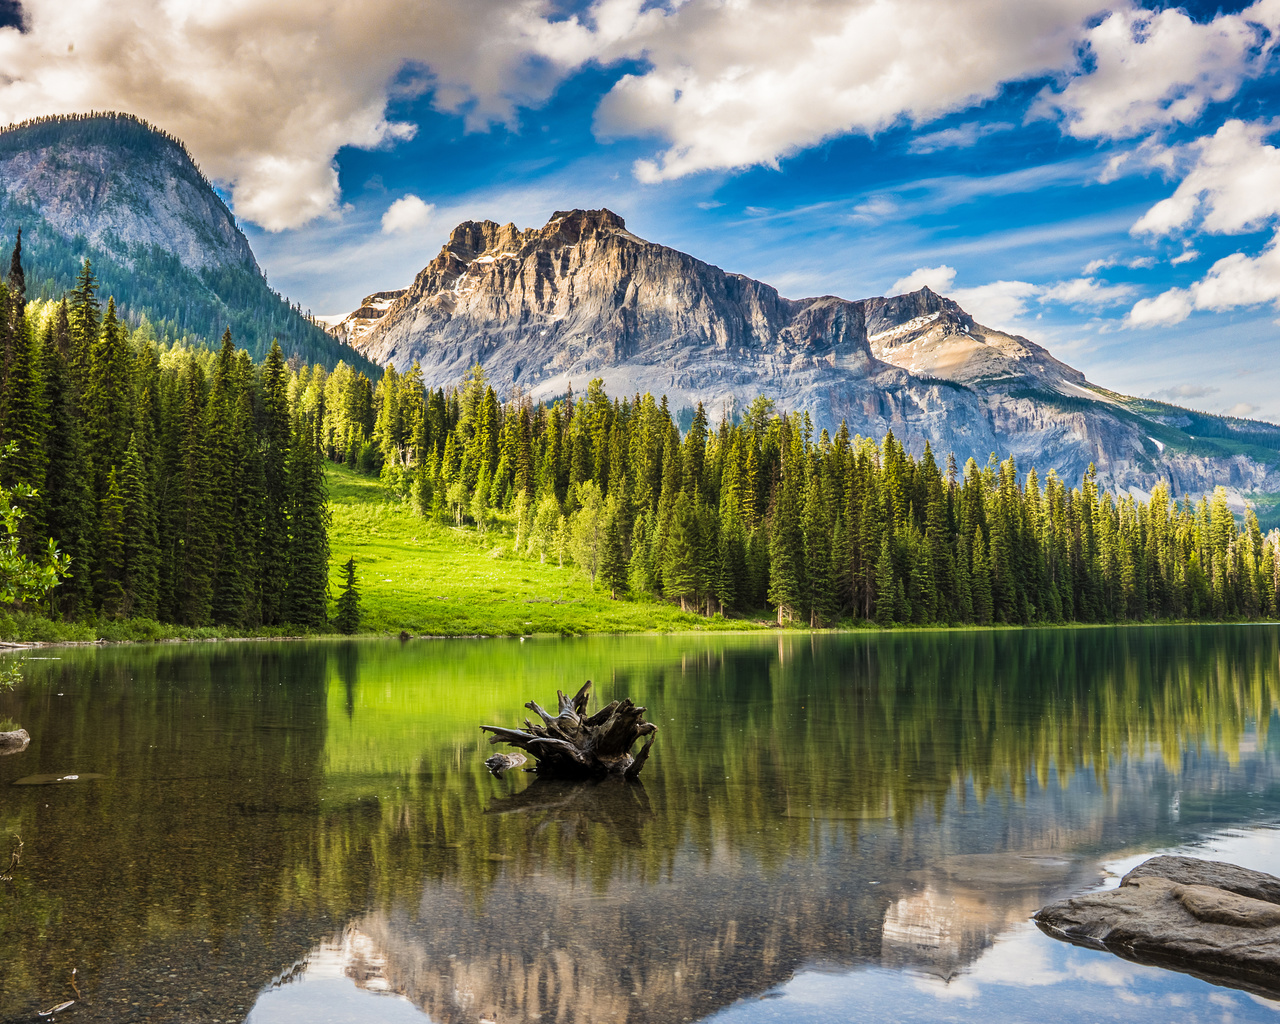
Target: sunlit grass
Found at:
x=421, y=577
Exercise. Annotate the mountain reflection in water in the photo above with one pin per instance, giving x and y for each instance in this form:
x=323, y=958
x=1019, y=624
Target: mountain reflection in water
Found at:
x=320, y=812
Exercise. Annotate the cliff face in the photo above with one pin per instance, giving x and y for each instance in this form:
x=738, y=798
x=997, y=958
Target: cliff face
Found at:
x=582, y=297
x=141, y=188
x=555, y=305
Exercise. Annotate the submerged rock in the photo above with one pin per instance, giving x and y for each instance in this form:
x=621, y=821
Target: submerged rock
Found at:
x=1215, y=920
x=52, y=779
x=500, y=763
x=14, y=742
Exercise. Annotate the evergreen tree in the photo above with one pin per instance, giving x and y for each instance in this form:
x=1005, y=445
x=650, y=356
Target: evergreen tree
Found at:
x=84, y=320
x=139, y=544
x=273, y=544
x=887, y=585
x=109, y=590
x=190, y=543
x=679, y=565
x=307, y=597
x=26, y=426
x=13, y=311
x=614, y=568
x=347, y=619
x=68, y=502
x=109, y=399
x=786, y=554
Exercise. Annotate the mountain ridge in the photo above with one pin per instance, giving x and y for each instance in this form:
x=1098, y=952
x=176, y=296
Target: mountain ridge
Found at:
x=550, y=308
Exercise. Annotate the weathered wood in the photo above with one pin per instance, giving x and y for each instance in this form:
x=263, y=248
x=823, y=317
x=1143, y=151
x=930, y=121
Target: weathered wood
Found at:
x=570, y=743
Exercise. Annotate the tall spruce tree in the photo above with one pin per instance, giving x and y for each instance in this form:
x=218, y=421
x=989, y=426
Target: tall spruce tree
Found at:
x=273, y=547
x=786, y=553
x=140, y=548
x=307, y=597
x=67, y=498
x=613, y=563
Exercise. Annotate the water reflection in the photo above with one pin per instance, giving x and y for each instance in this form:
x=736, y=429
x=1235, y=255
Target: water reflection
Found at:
x=893, y=805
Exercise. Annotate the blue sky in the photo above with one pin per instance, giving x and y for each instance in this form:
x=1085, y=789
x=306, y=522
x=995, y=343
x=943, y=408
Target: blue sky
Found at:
x=1100, y=177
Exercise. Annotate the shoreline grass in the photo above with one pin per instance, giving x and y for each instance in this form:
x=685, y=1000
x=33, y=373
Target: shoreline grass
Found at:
x=422, y=577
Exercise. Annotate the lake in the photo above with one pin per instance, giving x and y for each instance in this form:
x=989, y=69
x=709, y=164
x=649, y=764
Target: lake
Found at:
x=831, y=828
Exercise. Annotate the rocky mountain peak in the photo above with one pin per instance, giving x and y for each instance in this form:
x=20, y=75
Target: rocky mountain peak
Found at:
x=889, y=316
x=473, y=239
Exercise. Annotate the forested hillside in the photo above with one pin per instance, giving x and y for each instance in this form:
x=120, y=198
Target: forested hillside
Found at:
x=184, y=484
x=762, y=512
x=111, y=188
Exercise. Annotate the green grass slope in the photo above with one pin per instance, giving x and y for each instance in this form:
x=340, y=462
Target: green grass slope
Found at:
x=424, y=578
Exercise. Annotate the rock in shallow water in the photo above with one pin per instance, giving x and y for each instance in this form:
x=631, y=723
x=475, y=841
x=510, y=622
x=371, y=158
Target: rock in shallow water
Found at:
x=14, y=742
x=1215, y=920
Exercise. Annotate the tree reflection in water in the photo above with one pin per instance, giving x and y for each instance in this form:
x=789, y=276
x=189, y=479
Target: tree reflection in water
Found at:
x=882, y=799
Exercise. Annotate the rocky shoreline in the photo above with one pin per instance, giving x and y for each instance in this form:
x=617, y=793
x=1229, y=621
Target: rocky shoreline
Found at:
x=1214, y=920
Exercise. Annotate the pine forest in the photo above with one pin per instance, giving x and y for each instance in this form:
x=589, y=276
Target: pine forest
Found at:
x=185, y=485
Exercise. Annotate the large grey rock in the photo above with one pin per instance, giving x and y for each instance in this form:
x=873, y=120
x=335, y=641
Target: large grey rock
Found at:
x=1215, y=920
x=1216, y=873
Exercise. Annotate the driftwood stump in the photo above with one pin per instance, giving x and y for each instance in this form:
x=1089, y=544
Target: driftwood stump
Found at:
x=571, y=744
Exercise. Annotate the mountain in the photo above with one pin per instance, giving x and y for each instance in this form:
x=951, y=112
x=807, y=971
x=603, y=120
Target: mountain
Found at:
x=352, y=327
x=582, y=297
x=162, y=242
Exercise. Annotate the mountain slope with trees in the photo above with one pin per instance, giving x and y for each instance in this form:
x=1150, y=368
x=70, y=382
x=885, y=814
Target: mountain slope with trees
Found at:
x=582, y=297
x=112, y=189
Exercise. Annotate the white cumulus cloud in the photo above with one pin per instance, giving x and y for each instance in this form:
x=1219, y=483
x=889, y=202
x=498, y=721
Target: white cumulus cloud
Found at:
x=266, y=94
x=1232, y=186
x=744, y=83
x=1143, y=69
x=407, y=213
x=940, y=279
x=1165, y=309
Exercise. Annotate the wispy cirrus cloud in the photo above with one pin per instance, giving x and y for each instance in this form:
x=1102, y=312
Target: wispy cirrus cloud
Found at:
x=960, y=137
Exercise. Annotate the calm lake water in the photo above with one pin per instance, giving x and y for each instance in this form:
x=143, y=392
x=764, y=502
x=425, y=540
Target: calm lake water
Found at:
x=830, y=829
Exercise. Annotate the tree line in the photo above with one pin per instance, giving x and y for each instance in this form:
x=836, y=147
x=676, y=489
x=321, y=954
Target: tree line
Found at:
x=183, y=483
x=764, y=512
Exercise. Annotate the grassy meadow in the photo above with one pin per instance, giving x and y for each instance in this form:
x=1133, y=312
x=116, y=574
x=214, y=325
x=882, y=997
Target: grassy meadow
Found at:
x=424, y=578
